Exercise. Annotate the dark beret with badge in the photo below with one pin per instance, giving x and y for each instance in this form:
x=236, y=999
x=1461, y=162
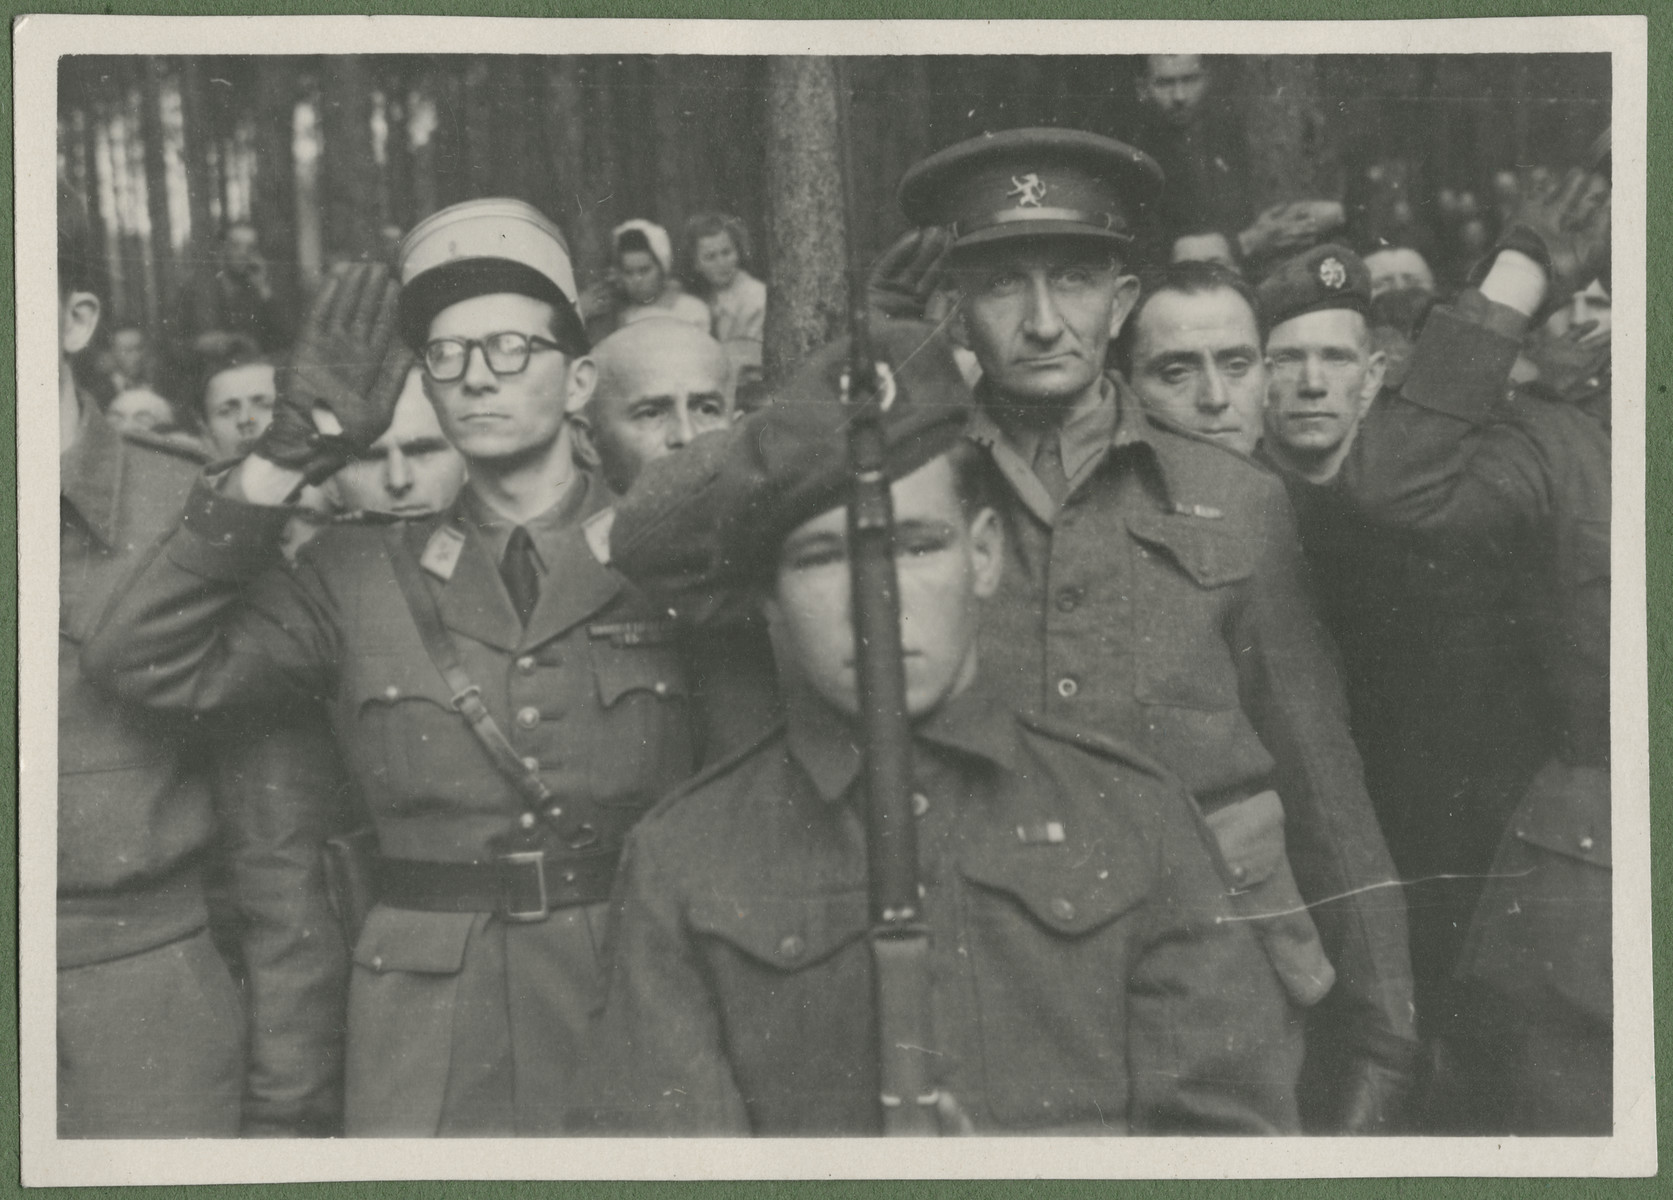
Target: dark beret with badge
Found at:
x=714, y=514
x=1327, y=276
x=480, y=248
x=1029, y=183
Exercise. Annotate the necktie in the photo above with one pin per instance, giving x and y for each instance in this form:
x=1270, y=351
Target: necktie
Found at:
x=517, y=569
x=1048, y=466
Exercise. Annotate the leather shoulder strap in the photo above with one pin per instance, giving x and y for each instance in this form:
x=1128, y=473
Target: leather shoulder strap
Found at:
x=467, y=697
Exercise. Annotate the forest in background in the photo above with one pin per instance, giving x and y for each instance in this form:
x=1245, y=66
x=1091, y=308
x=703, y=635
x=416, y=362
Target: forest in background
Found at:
x=331, y=157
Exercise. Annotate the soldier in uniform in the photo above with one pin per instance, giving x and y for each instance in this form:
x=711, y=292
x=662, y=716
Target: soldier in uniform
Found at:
x=1088, y=974
x=1529, y=1037
x=150, y=1030
x=1154, y=588
x=507, y=706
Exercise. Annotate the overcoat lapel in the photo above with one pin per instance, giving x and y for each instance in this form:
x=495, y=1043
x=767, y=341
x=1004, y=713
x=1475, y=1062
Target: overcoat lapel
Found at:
x=576, y=586
x=473, y=601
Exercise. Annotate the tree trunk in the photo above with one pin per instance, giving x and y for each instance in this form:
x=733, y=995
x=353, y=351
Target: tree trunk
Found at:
x=199, y=179
x=478, y=128
x=274, y=201
x=349, y=174
x=397, y=147
x=807, y=230
x=151, y=72
x=573, y=202
x=1284, y=124
x=668, y=146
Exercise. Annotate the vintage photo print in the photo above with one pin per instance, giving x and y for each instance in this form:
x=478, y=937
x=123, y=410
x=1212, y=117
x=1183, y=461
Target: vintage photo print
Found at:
x=658, y=596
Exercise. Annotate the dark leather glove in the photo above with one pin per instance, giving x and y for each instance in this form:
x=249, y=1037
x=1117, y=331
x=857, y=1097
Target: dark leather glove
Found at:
x=903, y=280
x=1570, y=363
x=1563, y=225
x=349, y=362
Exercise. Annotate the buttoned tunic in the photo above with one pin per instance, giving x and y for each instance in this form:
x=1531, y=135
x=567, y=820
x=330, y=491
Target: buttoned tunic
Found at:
x=1532, y=479
x=459, y=1021
x=1086, y=971
x=1165, y=603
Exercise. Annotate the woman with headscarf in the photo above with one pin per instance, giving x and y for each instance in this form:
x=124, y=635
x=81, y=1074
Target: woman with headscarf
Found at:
x=642, y=285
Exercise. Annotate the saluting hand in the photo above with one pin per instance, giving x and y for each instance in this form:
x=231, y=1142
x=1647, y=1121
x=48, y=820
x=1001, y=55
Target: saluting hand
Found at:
x=337, y=394
x=1569, y=218
x=903, y=280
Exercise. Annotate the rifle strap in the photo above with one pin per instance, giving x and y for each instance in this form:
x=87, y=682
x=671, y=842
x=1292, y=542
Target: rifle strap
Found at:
x=467, y=697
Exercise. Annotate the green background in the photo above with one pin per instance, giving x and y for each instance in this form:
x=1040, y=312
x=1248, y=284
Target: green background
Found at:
x=1659, y=525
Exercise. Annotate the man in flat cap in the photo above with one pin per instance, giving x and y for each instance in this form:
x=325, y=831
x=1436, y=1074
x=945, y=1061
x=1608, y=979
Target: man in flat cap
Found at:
x=1154, y=587
x=507, y=705
x=1087, y=971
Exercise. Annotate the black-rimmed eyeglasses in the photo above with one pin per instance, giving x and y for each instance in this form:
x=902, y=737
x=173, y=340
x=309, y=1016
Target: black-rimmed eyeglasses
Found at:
x=447, y=359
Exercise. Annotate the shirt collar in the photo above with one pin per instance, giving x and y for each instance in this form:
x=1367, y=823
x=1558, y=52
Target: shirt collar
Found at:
x=90, y=478
x=973, y=724
x=546, y=530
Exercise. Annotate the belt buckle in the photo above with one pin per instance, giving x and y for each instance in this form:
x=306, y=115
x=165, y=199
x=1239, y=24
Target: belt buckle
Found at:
x=516, y=859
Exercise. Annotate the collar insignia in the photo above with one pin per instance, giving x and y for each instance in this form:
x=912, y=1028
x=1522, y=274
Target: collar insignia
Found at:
x=441, y=552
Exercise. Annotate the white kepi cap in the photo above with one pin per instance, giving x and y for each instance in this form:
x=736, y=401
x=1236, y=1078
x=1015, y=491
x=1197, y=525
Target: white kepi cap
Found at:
x=479, y=247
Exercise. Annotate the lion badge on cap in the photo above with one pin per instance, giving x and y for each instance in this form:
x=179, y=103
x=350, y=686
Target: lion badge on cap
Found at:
x=1029, y=189
x=1333, y=274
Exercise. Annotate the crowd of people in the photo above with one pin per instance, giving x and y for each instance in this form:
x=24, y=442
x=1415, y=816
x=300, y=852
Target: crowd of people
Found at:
x=458, y=706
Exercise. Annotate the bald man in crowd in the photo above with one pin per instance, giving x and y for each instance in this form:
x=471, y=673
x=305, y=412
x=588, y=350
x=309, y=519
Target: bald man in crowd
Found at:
x=660, y=384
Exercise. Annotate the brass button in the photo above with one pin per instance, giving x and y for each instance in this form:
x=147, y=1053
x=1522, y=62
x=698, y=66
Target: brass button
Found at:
x=391, y=692
x=1586, y=843
x=526, y=664
x=528, y=717
x=377, y=962
x=1068, y=687
x=792, y=947
x=660, y=688
x=920, y=804
x=569, y=876
x=1239, y=874
x=1068, y=599
x=1062, y=909
x=526, y=820
x=531, y=763
x=555, y=812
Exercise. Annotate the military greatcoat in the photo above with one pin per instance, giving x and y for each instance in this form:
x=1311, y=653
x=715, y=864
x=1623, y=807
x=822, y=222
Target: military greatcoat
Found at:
x=459, y=1021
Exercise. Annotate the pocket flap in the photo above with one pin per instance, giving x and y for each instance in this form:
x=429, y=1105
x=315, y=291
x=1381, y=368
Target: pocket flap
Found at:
x=1566, y=810
x=391, y=678
x=1250, y=834
x=647, y=669
x=1071, y=887
x=786, y=932
x=1209, y=553
x=398, y=939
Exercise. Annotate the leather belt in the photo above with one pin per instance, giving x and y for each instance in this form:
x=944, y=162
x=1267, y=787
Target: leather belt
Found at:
x=520, y=886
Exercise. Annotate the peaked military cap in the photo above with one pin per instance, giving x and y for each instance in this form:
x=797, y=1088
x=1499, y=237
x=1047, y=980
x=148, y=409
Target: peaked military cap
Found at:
x=1028, y=182
x=1327, y=276
x=716, y=512
x=481, y=247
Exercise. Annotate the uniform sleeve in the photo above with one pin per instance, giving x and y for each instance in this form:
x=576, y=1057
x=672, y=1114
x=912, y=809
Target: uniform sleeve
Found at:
x=1214, y=1045
x=658, y=1061
x=280, y=792
x=1433, y=457
x=212, y=618
x=1293, y=694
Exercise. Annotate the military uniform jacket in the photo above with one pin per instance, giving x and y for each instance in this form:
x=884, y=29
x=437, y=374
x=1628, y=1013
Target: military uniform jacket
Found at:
x=1532, y=480
x=592, y=694
x=1086, y=976
x=133, y=798
x=1166, y=604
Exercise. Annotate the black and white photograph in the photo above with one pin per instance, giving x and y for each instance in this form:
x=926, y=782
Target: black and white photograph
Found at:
x=671, y=594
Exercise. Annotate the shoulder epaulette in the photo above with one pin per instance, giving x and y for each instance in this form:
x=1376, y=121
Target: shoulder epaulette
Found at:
x=719, y=769
x=177, y=447
x=1095, y=743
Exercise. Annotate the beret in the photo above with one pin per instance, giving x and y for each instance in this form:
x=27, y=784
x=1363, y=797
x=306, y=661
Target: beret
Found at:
x=478, y=248
x=1030, y=182
x=1327, y=276
x=715, y=513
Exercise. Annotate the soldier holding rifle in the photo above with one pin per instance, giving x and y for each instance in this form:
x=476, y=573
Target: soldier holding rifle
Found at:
x=1086, y=970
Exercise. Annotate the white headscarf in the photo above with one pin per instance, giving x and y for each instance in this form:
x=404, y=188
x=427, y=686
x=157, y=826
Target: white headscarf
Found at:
x=662, y=247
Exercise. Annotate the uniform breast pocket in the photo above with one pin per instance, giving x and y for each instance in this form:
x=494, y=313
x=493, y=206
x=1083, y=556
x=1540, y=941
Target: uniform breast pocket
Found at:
x=644, y=698
x=411, y=749
x=793, y=981
x=1188, y=573
x=1050, y=953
